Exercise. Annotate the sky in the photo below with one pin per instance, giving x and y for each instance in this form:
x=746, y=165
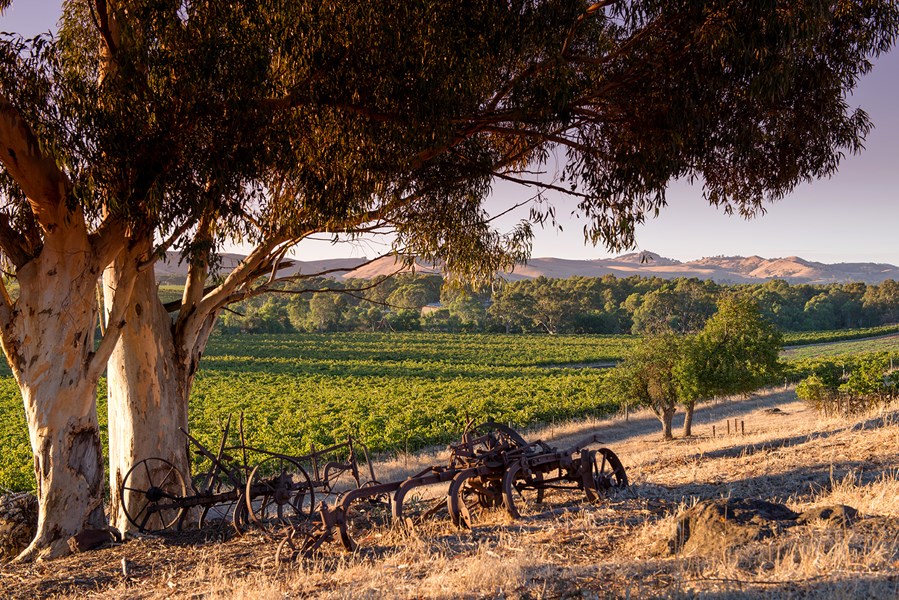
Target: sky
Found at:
x=850, y=217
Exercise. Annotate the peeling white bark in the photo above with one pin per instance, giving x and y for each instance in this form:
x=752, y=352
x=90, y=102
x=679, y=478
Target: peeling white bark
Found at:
x=152, y=369
x=49, y=344
x=147, y=404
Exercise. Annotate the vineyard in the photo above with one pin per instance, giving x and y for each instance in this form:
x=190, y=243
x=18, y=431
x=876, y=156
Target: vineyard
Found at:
x=803, y=338
x=397, y=392
x=843, y=349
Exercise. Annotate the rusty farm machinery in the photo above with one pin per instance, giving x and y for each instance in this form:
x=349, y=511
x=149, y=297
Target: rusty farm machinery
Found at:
x=241, y=484
x=492, y=467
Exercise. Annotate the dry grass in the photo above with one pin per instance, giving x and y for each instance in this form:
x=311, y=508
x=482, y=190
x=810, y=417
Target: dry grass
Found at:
x=618, y=548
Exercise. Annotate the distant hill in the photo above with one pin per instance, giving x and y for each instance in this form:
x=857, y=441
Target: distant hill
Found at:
x=722, y=269
x=173, y=270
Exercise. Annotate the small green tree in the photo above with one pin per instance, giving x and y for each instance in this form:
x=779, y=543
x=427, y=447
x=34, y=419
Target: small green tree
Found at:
x=324, y=314
x=735, y=353
x=647, y=377
x=867, y=376
x=512, y=307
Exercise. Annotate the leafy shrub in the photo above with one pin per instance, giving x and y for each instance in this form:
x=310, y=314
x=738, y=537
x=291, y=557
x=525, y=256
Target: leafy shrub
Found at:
x=865, y=385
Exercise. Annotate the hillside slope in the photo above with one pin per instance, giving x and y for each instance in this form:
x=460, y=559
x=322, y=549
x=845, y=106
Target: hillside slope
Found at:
x=617, y=548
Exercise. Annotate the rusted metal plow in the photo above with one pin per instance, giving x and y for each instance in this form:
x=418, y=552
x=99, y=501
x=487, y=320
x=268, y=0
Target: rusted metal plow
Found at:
x=493, y=466
x=242, y=484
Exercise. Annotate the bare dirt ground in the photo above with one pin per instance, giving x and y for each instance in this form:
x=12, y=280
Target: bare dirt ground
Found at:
x=572, y=549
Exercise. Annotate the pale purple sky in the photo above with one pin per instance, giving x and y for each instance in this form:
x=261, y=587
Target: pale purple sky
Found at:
x=851, y=217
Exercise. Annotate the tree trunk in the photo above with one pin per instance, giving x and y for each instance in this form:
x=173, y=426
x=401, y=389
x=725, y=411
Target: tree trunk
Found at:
x=154, y=365
x=148, y=391
x=688, y=419
x=49, y=343
x=151, y=373
x=666, y=416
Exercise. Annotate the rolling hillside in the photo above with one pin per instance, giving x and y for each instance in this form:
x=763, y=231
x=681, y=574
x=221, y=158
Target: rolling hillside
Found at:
x=722, y=269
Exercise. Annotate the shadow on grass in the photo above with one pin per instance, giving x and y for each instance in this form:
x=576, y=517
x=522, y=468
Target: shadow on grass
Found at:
x=647, y=423
x=885, y=585
x=810, y=480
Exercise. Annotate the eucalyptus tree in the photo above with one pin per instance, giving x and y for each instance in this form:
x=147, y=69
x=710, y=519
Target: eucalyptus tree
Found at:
x=125, y=127
x=407, y=112
x=362, y=121
x=400, y=115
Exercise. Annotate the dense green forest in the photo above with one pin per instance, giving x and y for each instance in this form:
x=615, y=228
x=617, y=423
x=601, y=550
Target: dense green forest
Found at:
x=409, y=302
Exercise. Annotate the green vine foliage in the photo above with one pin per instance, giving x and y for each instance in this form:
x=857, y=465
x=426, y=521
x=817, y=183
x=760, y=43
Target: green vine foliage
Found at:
x=395, y=392
x=849, y=386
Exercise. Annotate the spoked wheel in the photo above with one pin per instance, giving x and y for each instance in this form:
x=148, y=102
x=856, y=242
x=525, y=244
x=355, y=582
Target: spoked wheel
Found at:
x=240, y=517
x=224, y=502
x=469, y=495
x=213, y=512
x=522, y=491
x=151, y=491
x=230, y=512
x=363, y=520
x=491, y=437
x=279, y=491
x=300, y=542
x=605, y=473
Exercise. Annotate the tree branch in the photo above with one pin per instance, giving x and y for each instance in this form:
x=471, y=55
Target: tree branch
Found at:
x=510, y=85
x=549, y=137
x=277, y=260
x=121, y=301
x=198, y=269
x=624, y=47
x=175, y=305
x=100, y=17
x=13, y=243
x=161, y=249
x=6, y=304
x=513, y=207
x=591, y=10
x=301, y=277
x=108, y=240
x=541, y=184
x=38, y=175
x=241, y=274
x=348, y=291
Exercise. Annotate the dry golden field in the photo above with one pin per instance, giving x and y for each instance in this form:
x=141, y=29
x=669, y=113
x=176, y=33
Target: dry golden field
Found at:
x=615, y=549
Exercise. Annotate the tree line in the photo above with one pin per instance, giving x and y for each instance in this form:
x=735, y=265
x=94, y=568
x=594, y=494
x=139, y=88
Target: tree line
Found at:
x=607, y=304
